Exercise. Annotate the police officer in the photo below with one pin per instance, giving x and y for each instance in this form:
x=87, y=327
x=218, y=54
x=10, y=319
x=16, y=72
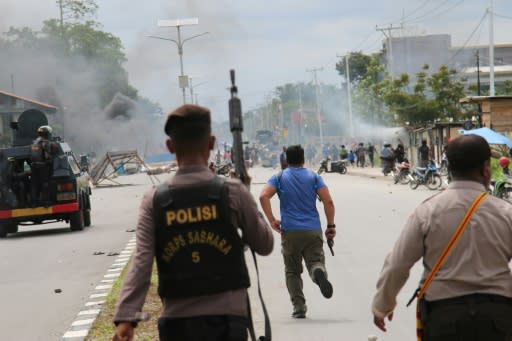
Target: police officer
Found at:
x=190, y=225
x=470, y=298
x=42, y=151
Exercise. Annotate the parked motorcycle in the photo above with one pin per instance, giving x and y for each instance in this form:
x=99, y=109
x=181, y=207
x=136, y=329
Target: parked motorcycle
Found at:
x=501, y=188
x=428, y=176
x=224, y=169
x=402, y=173
x=332, y=167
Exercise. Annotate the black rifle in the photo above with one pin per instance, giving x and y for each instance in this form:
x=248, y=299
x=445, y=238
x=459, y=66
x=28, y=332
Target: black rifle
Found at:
x=237, y=127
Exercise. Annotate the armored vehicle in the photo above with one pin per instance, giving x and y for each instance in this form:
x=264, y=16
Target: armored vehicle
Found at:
x=66, y=192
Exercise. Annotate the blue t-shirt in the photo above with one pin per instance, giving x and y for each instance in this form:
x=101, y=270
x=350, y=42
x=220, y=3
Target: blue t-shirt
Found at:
x=297, y=188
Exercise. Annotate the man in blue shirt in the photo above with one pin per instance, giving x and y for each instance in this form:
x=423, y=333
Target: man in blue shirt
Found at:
x=300, y=227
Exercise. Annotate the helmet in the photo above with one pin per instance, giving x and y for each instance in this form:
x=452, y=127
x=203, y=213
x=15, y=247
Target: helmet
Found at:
x=44, y=131
x=504, y=161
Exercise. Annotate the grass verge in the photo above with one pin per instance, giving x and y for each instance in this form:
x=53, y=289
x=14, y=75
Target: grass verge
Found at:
x=103, y=328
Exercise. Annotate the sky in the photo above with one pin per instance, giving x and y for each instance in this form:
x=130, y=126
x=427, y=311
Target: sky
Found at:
x=268, y=43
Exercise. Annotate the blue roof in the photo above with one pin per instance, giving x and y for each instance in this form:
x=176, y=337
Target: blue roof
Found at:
x=490, y=136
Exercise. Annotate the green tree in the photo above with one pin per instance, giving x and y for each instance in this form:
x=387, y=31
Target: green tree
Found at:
x=367, y=97
x=432, y=97
x=359, y=66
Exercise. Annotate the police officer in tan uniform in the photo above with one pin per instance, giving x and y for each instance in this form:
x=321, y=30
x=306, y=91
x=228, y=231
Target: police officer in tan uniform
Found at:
x=190, y=224
x=470, y=298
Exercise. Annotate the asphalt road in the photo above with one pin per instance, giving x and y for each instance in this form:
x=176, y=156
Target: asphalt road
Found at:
x=37, y=260
x=370, y=213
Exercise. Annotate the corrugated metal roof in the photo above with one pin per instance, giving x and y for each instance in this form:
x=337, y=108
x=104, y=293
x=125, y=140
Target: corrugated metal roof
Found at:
x=33, y=101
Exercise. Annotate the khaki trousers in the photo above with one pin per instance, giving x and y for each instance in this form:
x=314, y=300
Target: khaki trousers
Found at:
x=298, y=245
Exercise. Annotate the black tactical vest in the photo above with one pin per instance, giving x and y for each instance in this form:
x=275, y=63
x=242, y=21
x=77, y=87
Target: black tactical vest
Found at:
x=198, y=250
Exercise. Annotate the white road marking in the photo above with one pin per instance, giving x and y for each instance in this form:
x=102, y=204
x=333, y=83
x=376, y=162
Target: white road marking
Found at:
x=82, y=322
x=103, y=287
x=89, y=312
x=90, y=304
x=76, y=333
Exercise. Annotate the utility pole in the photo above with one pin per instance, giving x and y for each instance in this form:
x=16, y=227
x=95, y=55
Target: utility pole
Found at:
x=349, y=95
x=477, y=53
x=314, y=71
x=389, y=37
x=299, y=140
x=491, y=49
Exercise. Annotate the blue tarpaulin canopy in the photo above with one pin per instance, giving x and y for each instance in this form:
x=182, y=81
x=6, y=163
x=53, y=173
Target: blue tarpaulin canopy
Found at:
x=490, y=136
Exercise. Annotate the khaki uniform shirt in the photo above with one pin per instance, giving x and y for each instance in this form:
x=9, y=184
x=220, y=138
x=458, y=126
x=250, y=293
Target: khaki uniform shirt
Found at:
x=479, y=262
x=256, y=233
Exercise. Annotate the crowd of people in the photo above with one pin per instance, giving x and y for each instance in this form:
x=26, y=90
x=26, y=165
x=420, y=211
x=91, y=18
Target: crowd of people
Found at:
x=196, y=225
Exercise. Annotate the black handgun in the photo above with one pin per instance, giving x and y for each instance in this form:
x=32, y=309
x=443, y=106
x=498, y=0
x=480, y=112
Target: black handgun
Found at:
x=330, y=244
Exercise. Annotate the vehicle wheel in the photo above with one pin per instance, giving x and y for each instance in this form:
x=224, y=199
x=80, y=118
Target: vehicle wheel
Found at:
x=343, y=170
x=4, y=230
x=87, y=210
x=434, y=181
x=414, y=182
x=12, y=228
x=76, y=221
x=87, y=218
x=505, y=193
x=404, y=178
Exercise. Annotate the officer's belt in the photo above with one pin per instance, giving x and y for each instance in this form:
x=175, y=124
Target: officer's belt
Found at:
x=468, y=299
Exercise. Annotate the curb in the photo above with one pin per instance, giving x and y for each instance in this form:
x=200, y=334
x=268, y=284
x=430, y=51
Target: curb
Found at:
x=85, y=318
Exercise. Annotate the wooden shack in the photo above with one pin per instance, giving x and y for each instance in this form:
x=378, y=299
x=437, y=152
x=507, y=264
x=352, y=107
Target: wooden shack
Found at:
x=496, y=111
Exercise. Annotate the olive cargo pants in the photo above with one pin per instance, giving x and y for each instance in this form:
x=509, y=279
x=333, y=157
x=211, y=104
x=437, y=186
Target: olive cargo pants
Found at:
x=298, y=245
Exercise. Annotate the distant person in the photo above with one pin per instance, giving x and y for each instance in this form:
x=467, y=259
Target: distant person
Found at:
x=423, y=154
x=310, y=154
x=361, y=159
x=387, y=157
x=470, y=296
x=343, y=152
x=300, y=227
x=334, y=152
x=352, y=157
x=282, y=158
x=400, y=153
x=371, y=153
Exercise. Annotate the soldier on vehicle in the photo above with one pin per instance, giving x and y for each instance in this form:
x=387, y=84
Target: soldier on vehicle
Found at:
x=470, y=296
x=41, y=163
x=190, y=225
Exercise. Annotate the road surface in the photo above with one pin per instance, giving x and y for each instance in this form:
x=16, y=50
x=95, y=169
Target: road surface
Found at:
x=370, y=213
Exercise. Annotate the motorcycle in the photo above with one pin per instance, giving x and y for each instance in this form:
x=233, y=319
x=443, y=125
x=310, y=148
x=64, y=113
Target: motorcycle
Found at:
x=501, y=188
x=224, y=169
x=332, y=167
x=402, y=173
x=428, y=176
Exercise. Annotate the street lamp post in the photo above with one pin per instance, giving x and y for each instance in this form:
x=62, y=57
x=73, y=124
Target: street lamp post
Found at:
x=182, y=79
x=192, y=89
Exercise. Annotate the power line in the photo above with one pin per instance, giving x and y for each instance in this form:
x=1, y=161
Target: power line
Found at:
x=502, y=16
x=417, y=9
x=469, y=38
x=435, y=12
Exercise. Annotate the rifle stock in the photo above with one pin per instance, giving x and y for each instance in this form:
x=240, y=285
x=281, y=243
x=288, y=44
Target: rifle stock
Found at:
x=237, y=127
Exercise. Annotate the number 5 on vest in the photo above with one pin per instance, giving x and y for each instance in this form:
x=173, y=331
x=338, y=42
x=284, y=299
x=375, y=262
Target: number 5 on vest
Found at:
x=196, y=258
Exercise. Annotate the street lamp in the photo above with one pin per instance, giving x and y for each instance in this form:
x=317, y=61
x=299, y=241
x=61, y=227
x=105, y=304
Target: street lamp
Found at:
x=192, y=89
x=182, y=79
